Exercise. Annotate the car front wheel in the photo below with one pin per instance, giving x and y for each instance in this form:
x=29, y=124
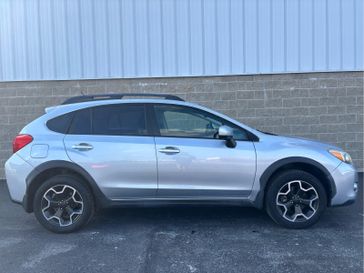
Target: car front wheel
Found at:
x=63, y=204
x=295, y=199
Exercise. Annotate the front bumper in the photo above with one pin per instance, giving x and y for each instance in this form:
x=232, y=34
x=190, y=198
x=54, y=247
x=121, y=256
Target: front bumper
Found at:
x=346, y=180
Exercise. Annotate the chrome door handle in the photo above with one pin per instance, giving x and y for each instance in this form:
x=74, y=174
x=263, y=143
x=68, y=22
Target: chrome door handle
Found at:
x=82, y=147
x=169, y=150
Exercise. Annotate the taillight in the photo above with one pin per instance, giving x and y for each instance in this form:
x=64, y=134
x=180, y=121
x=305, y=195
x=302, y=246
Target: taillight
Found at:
x=20, y=141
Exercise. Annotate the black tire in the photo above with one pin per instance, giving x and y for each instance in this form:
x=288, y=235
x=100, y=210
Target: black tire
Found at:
x=84, y=192
x=276, y=212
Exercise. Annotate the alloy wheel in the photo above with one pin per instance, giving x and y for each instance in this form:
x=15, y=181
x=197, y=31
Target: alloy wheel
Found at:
x=62, y=205
x=297, y=201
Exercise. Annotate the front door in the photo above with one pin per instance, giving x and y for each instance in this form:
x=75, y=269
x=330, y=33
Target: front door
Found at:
x=193, y=162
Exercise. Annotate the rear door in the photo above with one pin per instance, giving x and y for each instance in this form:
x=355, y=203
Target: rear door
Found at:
x=112, y=143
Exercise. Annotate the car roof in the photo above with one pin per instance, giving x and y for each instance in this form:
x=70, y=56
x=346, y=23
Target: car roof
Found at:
x=78, y=102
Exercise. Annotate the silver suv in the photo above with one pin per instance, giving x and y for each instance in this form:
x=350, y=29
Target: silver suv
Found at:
x=103, y=150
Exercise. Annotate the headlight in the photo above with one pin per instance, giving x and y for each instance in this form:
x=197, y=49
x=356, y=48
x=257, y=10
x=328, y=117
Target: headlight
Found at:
x=343, y=156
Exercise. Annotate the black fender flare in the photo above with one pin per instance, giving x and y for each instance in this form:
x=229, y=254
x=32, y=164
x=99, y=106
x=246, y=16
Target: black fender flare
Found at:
x=264, y=178
x=100, y=198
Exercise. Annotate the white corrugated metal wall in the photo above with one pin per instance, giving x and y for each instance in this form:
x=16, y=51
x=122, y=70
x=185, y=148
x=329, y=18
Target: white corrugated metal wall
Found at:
x=76, y=39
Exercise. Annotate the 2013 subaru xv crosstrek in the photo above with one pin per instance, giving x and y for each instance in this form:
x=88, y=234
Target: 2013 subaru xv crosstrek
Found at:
x=103, y=150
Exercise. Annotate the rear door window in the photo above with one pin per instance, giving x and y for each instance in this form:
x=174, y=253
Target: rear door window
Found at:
x=115, y=119
x=81, y=123
x=119, y=119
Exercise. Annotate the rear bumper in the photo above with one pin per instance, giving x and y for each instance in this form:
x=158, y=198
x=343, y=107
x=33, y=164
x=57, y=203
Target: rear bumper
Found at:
x=346, y=180
x=16, y=171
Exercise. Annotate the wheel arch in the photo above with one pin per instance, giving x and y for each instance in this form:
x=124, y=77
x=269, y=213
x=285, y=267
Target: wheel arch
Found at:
x=295, y=163
x=56, y=167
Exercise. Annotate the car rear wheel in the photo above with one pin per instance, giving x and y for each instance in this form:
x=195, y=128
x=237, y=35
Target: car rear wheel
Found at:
x=295, y=199
x=63, y=204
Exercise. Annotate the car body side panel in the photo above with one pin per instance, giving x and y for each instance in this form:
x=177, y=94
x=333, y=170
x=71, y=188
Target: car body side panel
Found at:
x=205, y=168
x=271, y=149
x=47, y=145
x=122, y=166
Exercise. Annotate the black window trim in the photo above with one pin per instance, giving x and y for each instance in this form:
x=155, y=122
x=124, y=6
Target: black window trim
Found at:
x=151, y=121
x=250, y=136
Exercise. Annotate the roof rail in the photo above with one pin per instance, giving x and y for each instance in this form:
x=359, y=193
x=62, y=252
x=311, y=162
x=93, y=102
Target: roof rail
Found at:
x=96, y=97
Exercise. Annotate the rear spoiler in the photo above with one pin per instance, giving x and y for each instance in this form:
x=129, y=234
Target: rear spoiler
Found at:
x=50, y=108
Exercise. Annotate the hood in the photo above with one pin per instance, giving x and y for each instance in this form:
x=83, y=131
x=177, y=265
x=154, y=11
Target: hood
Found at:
x=300, y=141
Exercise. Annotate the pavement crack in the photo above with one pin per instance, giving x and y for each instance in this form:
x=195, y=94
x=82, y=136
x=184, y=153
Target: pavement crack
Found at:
x=150, y=252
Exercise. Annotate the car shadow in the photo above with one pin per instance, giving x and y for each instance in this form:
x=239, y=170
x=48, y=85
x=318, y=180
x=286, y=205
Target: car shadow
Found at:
x=180, y=214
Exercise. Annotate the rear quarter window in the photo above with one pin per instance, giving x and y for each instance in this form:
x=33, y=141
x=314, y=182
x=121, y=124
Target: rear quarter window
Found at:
x=60, y=124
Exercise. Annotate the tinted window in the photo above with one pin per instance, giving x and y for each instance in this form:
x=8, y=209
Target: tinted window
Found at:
x=122, y=119
x=179, y=121
x=81, y=123
x=60, y=124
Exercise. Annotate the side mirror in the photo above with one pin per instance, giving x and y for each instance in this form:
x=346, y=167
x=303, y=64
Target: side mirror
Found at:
x=225, y=132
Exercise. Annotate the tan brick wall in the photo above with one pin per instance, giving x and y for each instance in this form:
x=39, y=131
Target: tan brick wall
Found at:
x=323, y=106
